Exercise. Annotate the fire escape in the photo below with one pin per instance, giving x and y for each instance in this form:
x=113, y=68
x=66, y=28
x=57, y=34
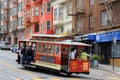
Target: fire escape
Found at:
x=77, y=13
x=112, y=16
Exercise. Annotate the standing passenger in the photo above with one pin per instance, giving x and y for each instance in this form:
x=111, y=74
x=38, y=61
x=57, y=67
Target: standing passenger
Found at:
x=29, y=54
x=23, y=51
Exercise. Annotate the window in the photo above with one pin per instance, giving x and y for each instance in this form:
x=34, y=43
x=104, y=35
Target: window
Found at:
x=50, y=49
x=79, y=3
x=39, y=48
x=104, y=18
x=91, y=22
x=19, y=6
x=29, y=31
x=48, y=25
x=22, y=20
x=10, y=11
x=36, y=28
x=91, y=2
x=19, y=21
x=79, y=24
x=48, y=6
x=4, y=28
x=36, y=11
x=14, y=10
x=41, y=10
x=68, y=10
x=28, y=14
x=22, y=5
x=4, y=16
x=32, y=11
x=4, y=5
x=44, y=49
x=14, y=23
x=55, y=14
x=62, y=29
x=61, y=13
x=57, y=49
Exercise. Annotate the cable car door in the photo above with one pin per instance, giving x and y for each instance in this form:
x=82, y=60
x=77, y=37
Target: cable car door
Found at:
x=65, y=57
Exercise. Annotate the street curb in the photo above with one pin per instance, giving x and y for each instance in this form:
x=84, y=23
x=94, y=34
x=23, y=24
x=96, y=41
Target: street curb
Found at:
x=106, y=70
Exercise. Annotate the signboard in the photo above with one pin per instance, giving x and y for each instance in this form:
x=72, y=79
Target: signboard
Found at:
x=108, y=36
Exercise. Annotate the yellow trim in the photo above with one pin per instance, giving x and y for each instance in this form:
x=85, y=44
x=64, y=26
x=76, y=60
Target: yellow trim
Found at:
x=48, y=65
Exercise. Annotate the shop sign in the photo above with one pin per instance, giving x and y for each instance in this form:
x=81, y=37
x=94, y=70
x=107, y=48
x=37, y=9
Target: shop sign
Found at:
x=109, y=36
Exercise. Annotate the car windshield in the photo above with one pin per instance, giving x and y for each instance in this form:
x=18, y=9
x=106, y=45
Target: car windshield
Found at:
x=7, y=43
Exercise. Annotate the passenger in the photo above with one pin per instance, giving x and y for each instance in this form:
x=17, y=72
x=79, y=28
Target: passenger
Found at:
x=23, y=55
x=29, y=54
x=83, y=55
x=72, y=54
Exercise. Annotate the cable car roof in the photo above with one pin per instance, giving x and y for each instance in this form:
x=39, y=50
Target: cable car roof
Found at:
x=48, y=35
x=74, y=43
x=67, y=42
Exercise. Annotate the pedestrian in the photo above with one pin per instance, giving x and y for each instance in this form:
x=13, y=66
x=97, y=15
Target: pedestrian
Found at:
x=23, y=54
x=29, y=55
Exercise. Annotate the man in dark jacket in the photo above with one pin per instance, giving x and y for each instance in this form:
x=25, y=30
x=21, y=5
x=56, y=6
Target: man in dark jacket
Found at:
x=29, y=54
x=23, y=53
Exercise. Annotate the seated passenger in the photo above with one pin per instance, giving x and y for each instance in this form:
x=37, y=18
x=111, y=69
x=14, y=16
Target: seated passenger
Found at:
x=72, y=54
x=83, y=55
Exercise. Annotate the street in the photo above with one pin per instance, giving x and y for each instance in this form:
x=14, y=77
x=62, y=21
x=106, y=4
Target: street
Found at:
x=10, y=70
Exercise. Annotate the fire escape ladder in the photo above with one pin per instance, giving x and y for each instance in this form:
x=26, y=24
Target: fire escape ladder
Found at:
x=111, y=12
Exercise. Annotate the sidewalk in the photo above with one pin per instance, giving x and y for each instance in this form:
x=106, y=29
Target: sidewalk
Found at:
x=109, y=68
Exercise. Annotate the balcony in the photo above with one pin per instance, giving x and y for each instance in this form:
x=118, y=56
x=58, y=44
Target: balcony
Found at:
x=5, y=8
x=27, y=3
x=27, y=21
x=101, y=2
x=15, y=15
x=77, y=11
x=34, y=19
x=56, y=2
x=36, y=1
x=5, y=19
x=21, y=28
x=15, y=1
x=4, y=30
x=13, y=29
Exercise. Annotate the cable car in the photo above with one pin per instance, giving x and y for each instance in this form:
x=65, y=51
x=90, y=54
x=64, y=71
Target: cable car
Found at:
x=54, y=55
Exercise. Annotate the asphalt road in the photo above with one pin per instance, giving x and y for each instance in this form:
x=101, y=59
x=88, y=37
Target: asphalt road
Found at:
x=10, y=70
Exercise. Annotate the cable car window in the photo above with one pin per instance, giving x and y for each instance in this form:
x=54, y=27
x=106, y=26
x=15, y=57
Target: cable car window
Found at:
x=39, y=48
x=65, y=50
x=57, y=49
x=50, y=50
x=44, y=49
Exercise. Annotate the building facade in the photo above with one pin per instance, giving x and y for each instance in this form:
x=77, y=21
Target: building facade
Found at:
x=16, y=27
x=38, y=17
x=12, y=28
x=62, y=22
x=97, y=22
x=4, y=19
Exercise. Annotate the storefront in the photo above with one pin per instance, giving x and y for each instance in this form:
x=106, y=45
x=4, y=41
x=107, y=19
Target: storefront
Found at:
x=109, y=46
x=87, y=38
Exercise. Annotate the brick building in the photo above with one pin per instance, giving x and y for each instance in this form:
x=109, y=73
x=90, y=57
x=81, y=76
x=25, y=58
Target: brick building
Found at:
x=97, y=22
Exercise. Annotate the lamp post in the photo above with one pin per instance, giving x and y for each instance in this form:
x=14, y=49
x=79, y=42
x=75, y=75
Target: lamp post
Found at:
x=114, y=42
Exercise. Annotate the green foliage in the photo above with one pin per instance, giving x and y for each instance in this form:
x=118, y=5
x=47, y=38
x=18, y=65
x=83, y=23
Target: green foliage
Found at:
x=95, y=57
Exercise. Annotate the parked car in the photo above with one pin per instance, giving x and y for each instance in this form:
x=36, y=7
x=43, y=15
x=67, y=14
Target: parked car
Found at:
x=5, y=46
x=1, y=44
x=14, y=48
